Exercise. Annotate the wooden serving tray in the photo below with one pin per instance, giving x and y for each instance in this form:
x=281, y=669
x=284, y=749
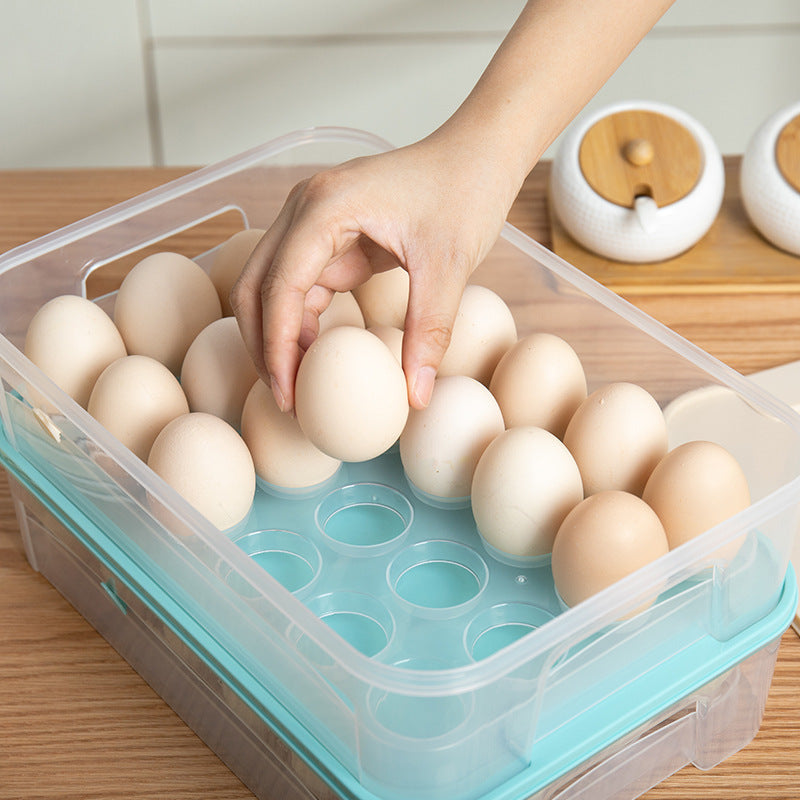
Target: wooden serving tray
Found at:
x=731, y=253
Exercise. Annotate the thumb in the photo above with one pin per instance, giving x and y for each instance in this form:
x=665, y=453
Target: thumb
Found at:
x=433, y=300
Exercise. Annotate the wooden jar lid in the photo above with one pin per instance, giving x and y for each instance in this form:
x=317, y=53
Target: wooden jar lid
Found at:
x=787, y=152
x=633, y=153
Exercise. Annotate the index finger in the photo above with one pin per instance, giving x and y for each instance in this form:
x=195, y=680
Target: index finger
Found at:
x=245, y=295
x=307, y=247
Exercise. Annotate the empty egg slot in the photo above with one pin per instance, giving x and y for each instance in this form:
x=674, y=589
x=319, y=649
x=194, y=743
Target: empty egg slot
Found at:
x=499, y=626
x=438, y=578
x=360, y=619
x=293, y=560
x=364, y=519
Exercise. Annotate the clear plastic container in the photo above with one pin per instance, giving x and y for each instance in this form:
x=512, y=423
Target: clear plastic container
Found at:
x=369, y=629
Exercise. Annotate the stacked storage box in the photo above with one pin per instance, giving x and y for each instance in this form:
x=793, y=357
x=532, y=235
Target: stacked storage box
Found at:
x=319, y=663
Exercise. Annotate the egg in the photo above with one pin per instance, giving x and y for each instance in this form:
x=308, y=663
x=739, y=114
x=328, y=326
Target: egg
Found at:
x=524, y=485
x=351, y=398
x=441, y=444
x=694, y=487
x=343, y=310
x=229, y=262
x=383, y=299
x=206, y=461
x=282, y=454
x=134, y=398
x=540, y=382
x=72, y=341
x=161, y=306
x=483, y=331
x=217, y=371
x=604, y=538
x=617, y=436
x=391, y=337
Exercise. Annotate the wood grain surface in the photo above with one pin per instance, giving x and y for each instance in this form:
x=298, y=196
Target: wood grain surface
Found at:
x=77, y=723
x=731, y=258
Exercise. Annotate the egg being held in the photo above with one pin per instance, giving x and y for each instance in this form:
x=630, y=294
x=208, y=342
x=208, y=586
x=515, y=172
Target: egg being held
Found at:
x=441, y=444
x=282, y=453
x=217, y=372
x=525, y=483
x=351, y=398
x=72, y=341
x=694, y=487
x=617, y=436
x=134, y=399
x=604, y=538
x=229, y=262
x=539, y=381
x=161, y=306
x=206, y=461
x=484, y=329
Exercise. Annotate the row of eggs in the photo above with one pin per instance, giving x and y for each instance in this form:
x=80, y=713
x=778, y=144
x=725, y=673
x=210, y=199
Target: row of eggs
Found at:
x=510, y=428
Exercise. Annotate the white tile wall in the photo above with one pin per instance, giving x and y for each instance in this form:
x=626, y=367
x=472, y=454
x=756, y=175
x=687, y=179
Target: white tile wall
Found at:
x=133, y=82
x=71, y=86
x=219, y=100
x=306, y=18
x=730, y=81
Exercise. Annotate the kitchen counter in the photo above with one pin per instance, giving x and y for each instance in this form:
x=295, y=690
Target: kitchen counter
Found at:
x=76, y=722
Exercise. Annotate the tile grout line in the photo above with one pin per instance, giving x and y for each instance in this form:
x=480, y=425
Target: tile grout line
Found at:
x=153, y=106
x=421, y=37
x=323, y=39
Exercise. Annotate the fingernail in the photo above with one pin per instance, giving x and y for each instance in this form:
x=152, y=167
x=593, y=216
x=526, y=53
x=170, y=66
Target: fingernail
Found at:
x=280, y=399
x=423, y=386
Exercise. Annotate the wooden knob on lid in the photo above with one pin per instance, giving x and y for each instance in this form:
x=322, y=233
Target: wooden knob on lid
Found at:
x=787, y=152
x=633, y=153
x=638, y=152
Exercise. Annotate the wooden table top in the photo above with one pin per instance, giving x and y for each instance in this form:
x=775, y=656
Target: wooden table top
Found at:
x=76, y=722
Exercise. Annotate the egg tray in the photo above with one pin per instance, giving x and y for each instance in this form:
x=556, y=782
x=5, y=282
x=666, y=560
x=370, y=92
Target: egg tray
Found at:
x=404, y=582
x=645, y=722
x=370, y=629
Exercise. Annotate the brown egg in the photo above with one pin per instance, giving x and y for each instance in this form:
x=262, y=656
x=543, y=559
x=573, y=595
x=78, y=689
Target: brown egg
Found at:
x=351, y=398
x=694, y=487
x=134, y=399
x=617, y=436
x=391, y=337
x=208, y=463
x=161, y=306
x=282, y=453
x=441, y=444
x=343, y=310
x=604, y=538
x=539, y=381
x=217, y=372
x=525, y=483
x=483, y=331
x=72, y=341
x=229, y=261
x=384, y=298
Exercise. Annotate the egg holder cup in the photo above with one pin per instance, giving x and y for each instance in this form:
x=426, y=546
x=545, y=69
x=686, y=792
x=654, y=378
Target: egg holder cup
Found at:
x=360, y=643
x=420, y=573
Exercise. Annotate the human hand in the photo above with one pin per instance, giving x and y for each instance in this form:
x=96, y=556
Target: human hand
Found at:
x=432, y=208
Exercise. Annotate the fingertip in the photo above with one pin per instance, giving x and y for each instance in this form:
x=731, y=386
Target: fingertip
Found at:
x=421, y=387
x=278, y=393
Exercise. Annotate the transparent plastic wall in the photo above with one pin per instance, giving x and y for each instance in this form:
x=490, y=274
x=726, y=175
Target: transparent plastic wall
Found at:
x=429, y=706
